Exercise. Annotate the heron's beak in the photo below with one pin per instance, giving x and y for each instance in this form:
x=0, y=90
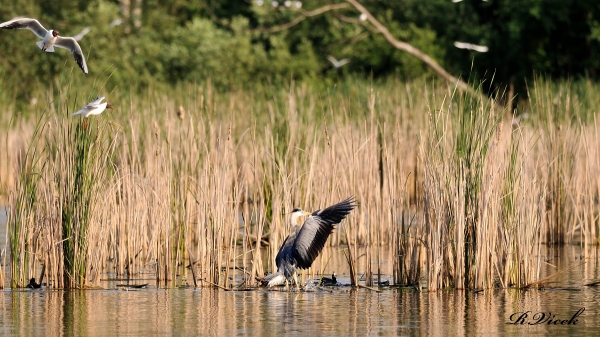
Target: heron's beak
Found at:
x=306, y=213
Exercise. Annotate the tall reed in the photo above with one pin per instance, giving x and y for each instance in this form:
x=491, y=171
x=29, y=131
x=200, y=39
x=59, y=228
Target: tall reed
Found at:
x=474, y=225
x=199, y=178
x=22, y=215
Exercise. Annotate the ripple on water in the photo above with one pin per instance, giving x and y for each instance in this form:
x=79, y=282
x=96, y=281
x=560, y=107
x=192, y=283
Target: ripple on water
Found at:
x=338, y=311
x=188, y=311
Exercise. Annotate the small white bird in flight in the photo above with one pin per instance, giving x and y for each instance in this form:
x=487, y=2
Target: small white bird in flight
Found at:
x=470, y=46
x=116, y=22
x=93, y=108
x=336, y=63
x=49, y=38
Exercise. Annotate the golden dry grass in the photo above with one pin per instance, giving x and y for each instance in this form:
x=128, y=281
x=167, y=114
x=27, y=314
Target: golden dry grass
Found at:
x=205, y=177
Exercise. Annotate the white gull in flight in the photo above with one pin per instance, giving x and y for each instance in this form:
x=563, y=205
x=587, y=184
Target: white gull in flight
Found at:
x=50, y=38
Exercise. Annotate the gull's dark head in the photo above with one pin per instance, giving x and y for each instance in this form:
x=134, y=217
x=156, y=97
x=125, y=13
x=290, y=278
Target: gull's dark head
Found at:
x=109, y=106
x=55, y=33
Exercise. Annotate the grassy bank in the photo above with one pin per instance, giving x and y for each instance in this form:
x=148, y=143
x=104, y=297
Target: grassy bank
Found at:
x=464, y=191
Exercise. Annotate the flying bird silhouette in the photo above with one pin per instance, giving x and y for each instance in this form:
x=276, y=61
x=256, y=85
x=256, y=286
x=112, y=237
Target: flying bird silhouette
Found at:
x=50, y=39
x=469, y=46
x=337, y=64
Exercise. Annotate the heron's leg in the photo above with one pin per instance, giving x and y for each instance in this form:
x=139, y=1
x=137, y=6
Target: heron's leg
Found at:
x=296, y=280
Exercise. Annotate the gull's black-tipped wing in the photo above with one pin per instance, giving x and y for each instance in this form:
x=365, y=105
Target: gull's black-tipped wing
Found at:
x=311, y=238
x=71, y=45
x=26, y=23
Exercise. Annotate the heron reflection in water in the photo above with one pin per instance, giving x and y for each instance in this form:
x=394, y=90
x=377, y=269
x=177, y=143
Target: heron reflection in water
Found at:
x=302, y=247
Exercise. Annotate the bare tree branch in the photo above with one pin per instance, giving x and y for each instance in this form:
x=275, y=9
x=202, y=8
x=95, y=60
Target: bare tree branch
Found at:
x=377, y=27
x=303, y=15
x=354, y=21
x=411, y=50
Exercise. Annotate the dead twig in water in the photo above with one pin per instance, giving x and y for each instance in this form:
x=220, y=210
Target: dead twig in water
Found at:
x=351, y=263
x=545, y=279
x=372, y=289
x=216, y=285
x=135, y=286
x=243, y=270
x=193, y=268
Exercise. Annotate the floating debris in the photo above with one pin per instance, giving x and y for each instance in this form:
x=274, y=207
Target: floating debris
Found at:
x=134, y=286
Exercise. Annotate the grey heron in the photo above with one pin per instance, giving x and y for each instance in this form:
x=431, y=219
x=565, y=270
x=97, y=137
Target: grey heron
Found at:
x=302, y=247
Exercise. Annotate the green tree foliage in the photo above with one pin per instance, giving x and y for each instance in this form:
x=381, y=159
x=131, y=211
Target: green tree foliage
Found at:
x=553, y=38
x=237, y=43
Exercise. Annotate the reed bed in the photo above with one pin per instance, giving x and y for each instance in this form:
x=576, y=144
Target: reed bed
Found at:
x=195, y=183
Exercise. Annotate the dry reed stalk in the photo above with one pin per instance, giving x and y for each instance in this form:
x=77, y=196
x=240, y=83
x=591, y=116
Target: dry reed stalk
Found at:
x=3, y=258
x=22, y=212
x=175, y=187
x=17, y=143
x=458, y=234
x=351, y=259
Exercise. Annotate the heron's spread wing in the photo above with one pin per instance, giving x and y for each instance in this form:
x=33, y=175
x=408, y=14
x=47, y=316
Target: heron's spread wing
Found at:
x=26, y=23
x=72, y=45
x=316, y=229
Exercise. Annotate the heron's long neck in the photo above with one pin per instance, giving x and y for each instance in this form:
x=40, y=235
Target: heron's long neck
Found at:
x=294, y=219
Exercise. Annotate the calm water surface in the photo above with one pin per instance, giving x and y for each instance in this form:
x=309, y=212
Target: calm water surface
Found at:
x=177, y=312
x=338, y=312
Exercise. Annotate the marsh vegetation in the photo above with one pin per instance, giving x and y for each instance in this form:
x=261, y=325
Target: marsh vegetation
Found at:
x=465, y=191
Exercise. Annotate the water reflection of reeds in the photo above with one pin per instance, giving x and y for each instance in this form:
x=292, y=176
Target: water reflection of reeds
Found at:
x=348, y=312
